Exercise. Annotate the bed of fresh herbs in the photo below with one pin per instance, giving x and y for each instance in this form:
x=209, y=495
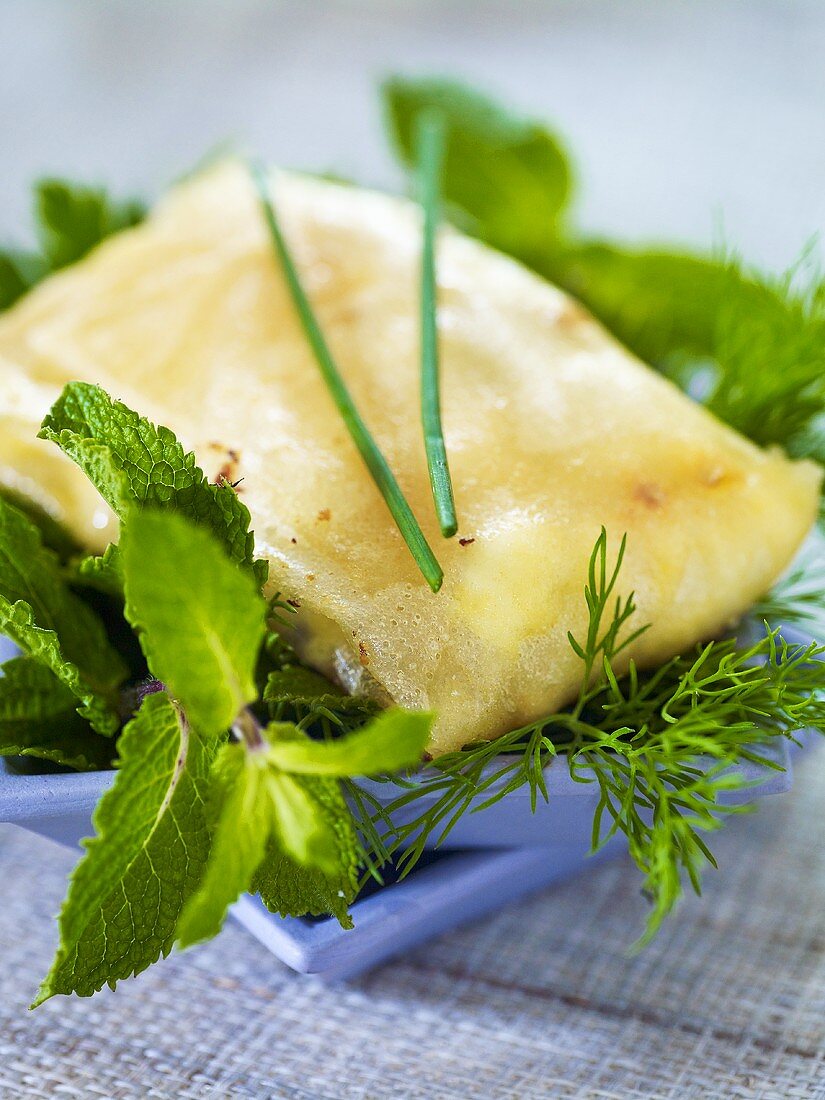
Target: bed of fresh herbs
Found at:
x=236, y=765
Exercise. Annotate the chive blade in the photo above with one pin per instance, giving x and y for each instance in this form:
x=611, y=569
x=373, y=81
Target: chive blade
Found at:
x=430, y=143
x=373, y=458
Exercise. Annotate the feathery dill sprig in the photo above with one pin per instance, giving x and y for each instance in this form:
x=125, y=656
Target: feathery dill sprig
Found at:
x=662, y=746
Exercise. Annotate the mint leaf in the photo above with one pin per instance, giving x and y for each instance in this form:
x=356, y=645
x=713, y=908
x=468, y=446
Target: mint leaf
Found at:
x=147, y=857
x=657, y=302
x=73, y=218
x=101, y=571
x=395, y=739
x=19, y=271
x=54, y=535
x=39, y=612
x=298, y=684
x=313, y=823
x=293, y=889
x=37, y=718
x=241, y=825
x=294, y=692
x=303, y=832
x=70, y=220
x=508, y=175
x=199, y=617
x=130, y=461
x=290, y=889
x=300, y=822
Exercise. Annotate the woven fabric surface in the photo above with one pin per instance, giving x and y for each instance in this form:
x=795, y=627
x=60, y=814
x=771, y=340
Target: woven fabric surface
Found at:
x=537, y=1001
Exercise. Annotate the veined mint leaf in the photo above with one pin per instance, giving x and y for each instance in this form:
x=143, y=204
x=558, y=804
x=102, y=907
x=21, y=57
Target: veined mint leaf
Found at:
x=40, y=613
x=101, y=571
x=199, y=617
x=146, y=859
x=292, y=888
x=130, y=461
x=241, y=818
x=299, y=684
x=294, y=692
x=510, y=176
x=303, y=832
x=38, y=718
x=395, y=739
x=301, y=823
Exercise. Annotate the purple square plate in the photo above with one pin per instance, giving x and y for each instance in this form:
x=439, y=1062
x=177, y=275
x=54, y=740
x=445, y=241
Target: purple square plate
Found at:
x=491, y=857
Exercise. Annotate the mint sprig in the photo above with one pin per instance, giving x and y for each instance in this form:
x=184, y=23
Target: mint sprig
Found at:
x=38, y=719
x=199, y=618
x=44, y=617
x=151, y=847
x=132, y=462
x=208, y=802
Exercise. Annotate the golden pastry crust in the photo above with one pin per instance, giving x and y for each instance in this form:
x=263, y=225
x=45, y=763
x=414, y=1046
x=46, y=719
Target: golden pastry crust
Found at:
x=553, y=431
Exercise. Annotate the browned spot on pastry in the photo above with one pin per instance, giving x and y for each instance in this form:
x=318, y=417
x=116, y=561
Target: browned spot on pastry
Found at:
x=572, y=316
x=228, y=470
x=465, y=542
x=363, y=656
x=325, y=514
x=651, y=495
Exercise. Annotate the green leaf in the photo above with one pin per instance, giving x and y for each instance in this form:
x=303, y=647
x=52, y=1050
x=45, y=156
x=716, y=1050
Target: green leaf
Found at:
x=292, y=888
x=103, y=572
x=70, y=220
x=659, y=303
x=257, y=809
x=37, y=718
x=303, y=832
x=148, y=855
x=73, y=218
x=19, y=271
x=509, y=176
x=40, y=613
x=241, y=818
x=297, y=693
x=130, y=461
x=298, y=684
x=54, y=535
x=394, y=740
x=200, y=618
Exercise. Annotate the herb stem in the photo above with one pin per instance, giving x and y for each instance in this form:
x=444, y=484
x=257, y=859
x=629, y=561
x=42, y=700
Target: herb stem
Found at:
x=430, y=137
x=247, y=729
x=373, y=458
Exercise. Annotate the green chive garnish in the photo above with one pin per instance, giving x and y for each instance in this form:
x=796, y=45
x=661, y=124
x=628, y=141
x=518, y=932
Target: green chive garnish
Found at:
x=430, y=142
x=376, y=463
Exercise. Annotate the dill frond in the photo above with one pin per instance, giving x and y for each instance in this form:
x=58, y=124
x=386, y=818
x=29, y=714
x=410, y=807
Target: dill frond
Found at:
x=662, y=746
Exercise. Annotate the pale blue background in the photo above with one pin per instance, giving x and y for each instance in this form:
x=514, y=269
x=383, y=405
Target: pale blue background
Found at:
x=697, y=120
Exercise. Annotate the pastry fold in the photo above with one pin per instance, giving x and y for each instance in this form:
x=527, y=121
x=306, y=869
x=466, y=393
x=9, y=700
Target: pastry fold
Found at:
x=553, y=430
